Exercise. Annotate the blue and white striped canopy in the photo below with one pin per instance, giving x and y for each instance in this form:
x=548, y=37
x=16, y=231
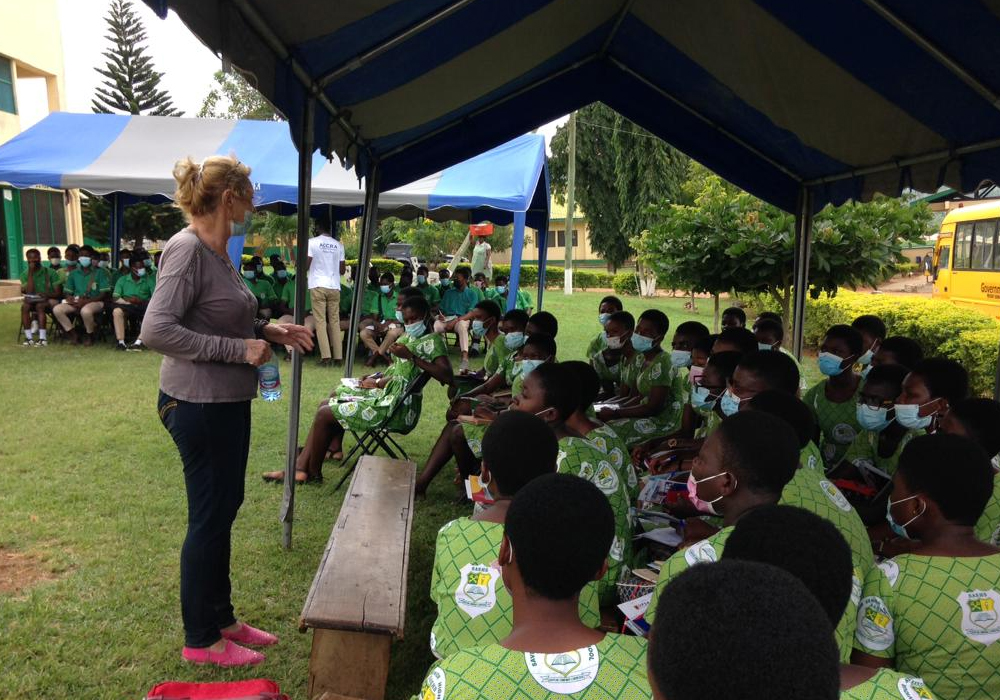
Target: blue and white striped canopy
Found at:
x=844, y=97
x=106, y=153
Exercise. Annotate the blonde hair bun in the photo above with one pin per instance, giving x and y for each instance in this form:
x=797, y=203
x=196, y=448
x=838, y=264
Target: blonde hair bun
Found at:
x=200, y=186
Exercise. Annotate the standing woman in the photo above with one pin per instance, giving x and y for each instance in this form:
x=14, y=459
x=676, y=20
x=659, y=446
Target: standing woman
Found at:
x=202, y=319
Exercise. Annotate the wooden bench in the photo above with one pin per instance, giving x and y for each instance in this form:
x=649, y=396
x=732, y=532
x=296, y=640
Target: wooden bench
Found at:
x=356, y=606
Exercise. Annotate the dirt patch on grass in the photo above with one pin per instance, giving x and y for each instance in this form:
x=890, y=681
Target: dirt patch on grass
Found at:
x=20, y=571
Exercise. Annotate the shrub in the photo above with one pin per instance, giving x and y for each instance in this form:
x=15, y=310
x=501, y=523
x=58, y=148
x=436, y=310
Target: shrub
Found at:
x=382, y=265
x=905, y=268
x=626, y=283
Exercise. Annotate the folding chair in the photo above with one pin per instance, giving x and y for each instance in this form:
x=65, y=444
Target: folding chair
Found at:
x=380, y=436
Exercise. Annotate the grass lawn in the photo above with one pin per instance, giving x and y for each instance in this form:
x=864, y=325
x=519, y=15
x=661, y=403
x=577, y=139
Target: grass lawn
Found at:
x=93, y=503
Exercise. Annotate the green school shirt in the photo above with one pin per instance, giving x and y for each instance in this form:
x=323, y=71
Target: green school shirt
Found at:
x=612, y=669
x=495, y=355
x=288, y=297
x=607, y=441
x=456, y=303
x=523, y=300
x=863, y=452
x=988, y=525
x=838, y=422
x=46, y=280
x=937, y=618
x=346, y=297
x=431, y=294
x=370, y=304
x=887, y=684
x=89, y=284
x=643, y=377
x=126, y=287
x=579, y=457
x=261, y=289
x=707, y=550
x=474, y=607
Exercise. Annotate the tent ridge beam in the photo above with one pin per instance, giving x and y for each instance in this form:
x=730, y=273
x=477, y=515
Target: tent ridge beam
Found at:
x=936, y=53
x=357, y=62
x=281, y=51
x=625, y=8
x=698, y=115
x=491, y=105
x=942, y=154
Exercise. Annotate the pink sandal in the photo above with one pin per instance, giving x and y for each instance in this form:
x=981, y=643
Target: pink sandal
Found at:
x=232, y=655
x=250, y=635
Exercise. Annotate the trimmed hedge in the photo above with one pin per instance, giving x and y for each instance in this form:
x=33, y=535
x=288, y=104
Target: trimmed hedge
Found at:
x=555, y=275
x=393, y=267
x=626, y=283
x=941, y=328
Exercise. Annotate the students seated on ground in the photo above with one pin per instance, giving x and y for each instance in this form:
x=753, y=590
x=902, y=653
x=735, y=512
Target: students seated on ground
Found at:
x=929, y=390
x=770, y=334
x=261, y=289
x=834, y=400
x=86, y=291
x=600, y=435
x=473, y=605
x=745, y=463
x=744, y=630
x=463, y=441
x=734, y=317
x=456, y=301
x=542, y=322
x=286, y=311
x=809, y=489
x=935, y=612
x=486, y=319
x=735, y=339
x=607, y=306
x=978, y=420
x=896, y=350
x=383, y=324
x=616, y=352
x=430, y=292
x=813, y=551
x=872, y=330
x=39, y=286
x=556, y=537
x=500, y=293
x=359, y=409
x=648, y=402
x=131, y=297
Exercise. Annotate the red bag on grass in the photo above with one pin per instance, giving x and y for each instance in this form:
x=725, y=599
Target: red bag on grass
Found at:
x=257, y=689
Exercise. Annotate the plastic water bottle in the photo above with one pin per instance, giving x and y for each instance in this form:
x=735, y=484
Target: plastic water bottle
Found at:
x=269, y=380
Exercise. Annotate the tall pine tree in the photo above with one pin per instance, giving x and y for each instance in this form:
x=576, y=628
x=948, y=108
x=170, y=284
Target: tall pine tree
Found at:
x=131, y=84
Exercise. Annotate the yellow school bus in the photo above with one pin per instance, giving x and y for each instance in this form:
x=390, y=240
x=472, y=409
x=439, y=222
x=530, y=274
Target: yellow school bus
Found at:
x=967, y=258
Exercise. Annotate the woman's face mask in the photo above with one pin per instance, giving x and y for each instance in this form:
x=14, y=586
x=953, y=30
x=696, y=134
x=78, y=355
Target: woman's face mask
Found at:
x=384, y=288
x=250, y=274
x=641, y=343
x=680, y=358
x=900, y=530
x=415, y=329
x=874, y=419
x=603, y=318
x=830, y=364
x=908, y=415
x=700, y=505
x=527, y=366
x=702, y=398
x=614, y=342
x=513, y=340
x=478, y=328
x=730, y=403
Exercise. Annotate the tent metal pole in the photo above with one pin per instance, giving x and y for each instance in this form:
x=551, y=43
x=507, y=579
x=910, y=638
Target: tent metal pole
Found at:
x=803, y=236
x=287, y=515
x=369, y=224
x=115, y=231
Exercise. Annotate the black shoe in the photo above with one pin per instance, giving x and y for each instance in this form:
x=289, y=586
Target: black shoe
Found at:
x=121, y=346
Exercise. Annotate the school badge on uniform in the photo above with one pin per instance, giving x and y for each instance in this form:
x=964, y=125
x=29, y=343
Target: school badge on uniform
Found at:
x=875, y=629
x=566, y=672
x=476, y=593
x=913, y=689
x=980, y=620
x=835, y=496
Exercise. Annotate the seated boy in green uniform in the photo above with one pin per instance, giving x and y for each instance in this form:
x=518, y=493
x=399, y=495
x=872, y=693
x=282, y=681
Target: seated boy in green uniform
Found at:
x=812, y=550
x=834, y=400
x=741, y=630
x=261, y=289
x=131, y=297
x=430, y=292
x=486, y=319
x=474, y=606
x=87, y=290
x=39, y=285
x=556, y=537
x=286, y=310
x=381, y=330
x=500, y=293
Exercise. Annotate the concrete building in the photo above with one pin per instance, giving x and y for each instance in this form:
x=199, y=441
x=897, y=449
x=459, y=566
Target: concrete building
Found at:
x=583, y=254
x=31, y=49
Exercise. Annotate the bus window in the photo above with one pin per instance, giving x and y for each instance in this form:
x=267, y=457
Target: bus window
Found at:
x=963, y=245
x=982, y=245
x=945, y=257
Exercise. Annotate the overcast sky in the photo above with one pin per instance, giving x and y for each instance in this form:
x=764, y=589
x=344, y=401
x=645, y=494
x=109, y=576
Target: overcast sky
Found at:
x=187, y=65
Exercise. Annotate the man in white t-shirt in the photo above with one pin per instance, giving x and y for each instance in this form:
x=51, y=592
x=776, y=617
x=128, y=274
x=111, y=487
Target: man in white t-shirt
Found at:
x=326, y=265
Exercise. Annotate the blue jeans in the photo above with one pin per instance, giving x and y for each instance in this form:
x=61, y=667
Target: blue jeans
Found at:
x=214, y=441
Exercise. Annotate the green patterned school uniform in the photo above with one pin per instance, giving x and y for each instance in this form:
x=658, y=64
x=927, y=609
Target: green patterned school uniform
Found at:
x=937, y=618
x=612, y=669
x=709, y=422
x=707, y=550
x=659, y=372
x=863, y=452
x=607, y=441
x=988, y=525
x=887, y=684
x=495, y=354
x=810, y=490
x=837, y=421
x=474, y=607
x=577, y=456
x=374, y=405
x=810, y=456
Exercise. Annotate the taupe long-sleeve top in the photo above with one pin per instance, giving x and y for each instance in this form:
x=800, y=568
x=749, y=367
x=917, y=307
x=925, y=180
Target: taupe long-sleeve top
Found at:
x=199, y=316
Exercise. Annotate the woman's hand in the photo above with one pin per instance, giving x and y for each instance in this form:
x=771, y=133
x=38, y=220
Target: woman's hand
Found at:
x=369, y=383
x=298, y=337
x=400, y=351
x=257, y=351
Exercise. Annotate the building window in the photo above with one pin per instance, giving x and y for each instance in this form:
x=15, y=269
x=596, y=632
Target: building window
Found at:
x=43, y=218
x=558, y=238
x=7, y=101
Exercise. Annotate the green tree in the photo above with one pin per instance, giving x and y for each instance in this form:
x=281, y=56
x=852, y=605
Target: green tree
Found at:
x=729, y=240
x=276, y=231
x=131, y=84
x=232, y=97
x=156, y=222
x=621, y=169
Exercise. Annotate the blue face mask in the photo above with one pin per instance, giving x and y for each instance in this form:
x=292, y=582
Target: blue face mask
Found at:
x=764, y=346
x=84, y=261
x=124, y=262
x=900, y=530
x=874, y=419
x=513, y=340
x=421, y=279
x=702, y=399
x=603, y=318
x=384, y=288
x=730, y=403
x=282, y=274
x=104, y=264
x=249, y=274
x=829, y=364
x=680, y=358
x=415, y=329
x=141, y=271
x=641, y=343
x=866, y=358
x=399, y=315
x=865, y=371
x=527, y=366
x=501, y=289
x=908, y=416
x=148, y=262
x=446, y=283
x=478, y=328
